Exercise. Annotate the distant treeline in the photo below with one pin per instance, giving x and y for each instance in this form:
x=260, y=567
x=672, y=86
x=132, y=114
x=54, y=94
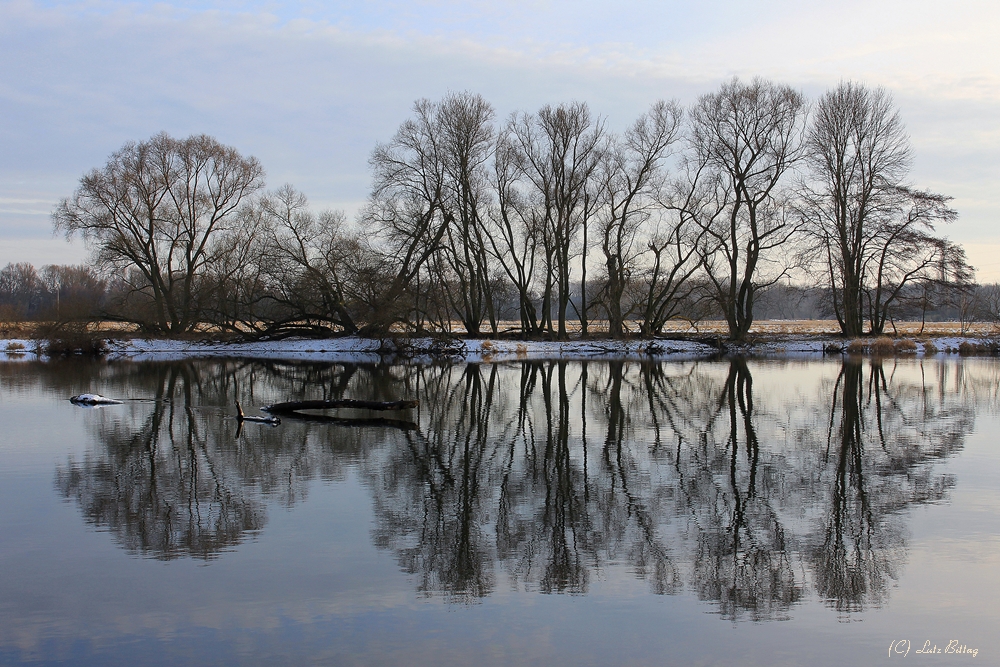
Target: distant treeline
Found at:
x=54, y=293
x=749, y=204
x=63, y=294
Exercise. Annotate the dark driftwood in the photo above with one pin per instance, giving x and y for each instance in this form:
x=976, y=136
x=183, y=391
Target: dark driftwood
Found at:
x=349, y=421
x=294, y=406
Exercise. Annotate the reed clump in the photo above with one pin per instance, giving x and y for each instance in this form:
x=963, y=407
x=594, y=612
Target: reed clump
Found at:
x=882, y=346
x=967, y=349
x=857, y=346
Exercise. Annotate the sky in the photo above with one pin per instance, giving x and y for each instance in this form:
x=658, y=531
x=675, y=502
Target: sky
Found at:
x=309, y=88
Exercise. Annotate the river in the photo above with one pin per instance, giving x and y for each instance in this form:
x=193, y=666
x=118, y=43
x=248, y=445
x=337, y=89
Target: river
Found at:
x=752, y=512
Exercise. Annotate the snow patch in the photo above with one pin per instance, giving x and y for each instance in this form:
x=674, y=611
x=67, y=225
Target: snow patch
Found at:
x=426, y=350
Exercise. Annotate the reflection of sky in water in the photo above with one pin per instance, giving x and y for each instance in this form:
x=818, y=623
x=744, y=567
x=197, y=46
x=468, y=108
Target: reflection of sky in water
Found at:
x=353, y=554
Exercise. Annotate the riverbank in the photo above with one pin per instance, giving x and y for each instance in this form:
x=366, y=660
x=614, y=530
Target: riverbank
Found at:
x=426, y=350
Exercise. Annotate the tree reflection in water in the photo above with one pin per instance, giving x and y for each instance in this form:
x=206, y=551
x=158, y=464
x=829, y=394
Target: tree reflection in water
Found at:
x=549, y=476
x=172, y=478
x=163, y=484
x=880, y=440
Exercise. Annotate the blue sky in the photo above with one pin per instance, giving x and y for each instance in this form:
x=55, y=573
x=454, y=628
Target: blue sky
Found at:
x=310, y=87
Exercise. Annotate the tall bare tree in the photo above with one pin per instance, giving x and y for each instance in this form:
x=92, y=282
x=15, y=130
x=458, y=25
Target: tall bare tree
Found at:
x=155, y=211
x=465, y=126
x=429, y=198
x=406, y=211
x=631, y=177
x=516, y=231
x=559, y=150
x=873, y=232
x=745, y=139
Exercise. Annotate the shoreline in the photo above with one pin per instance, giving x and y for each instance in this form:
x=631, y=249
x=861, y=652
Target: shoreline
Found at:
x=430, y=350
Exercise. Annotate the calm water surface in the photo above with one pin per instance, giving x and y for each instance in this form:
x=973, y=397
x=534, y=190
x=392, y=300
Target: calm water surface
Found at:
x=696, y=513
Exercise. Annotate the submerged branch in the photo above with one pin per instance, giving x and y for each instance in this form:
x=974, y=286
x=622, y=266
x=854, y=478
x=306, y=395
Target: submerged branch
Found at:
x=293, y=406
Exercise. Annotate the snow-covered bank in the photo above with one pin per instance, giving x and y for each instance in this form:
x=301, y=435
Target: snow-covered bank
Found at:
x=351, y=350
x=602, y=349
x=366, y=350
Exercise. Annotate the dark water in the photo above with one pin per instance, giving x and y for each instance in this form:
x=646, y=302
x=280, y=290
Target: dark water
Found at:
x=698, y=513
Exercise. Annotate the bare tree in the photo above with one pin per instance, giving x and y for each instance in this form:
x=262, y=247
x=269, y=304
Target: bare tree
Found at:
x=429, y=198
x=631, y=177
x=21, y=291
x=465, y=126
x=905, y=251
x=406, y=211
x=745, y=139
x=234, y=287
x=516, y=231
x=559, y=150
x=74, y=292
x=689, y=207
x=309, y=266
x=987, y=302
x=872, y=231
x=858, y=154
x=155, y=211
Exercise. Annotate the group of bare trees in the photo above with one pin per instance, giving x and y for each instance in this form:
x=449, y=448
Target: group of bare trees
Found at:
x=548, y=220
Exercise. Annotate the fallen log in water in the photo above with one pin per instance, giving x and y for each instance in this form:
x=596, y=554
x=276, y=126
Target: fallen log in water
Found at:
x=295, y=406
x=349, y=421
x=240, y=417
